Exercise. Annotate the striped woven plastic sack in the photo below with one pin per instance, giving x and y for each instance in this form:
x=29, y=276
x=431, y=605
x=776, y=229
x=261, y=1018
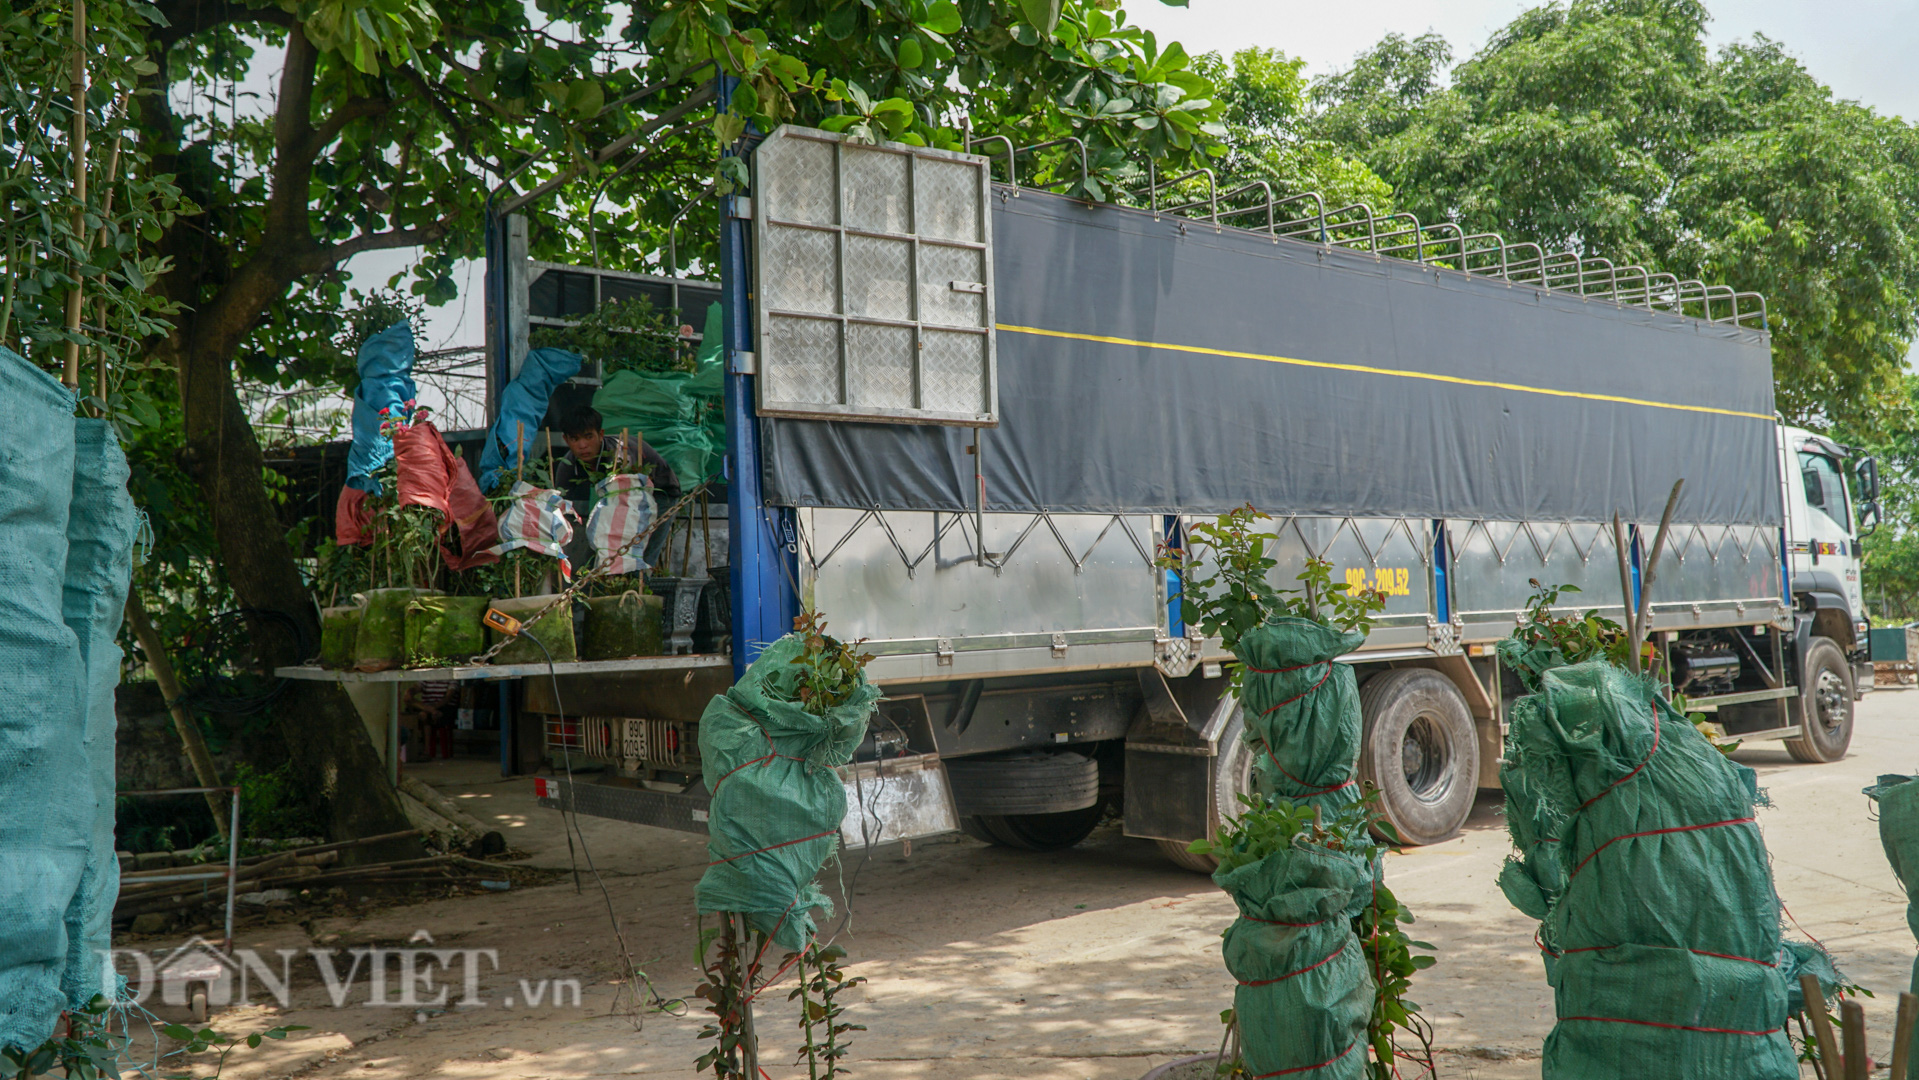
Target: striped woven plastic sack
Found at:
x=1640, y=856
x=536, y=520
x=1305, y=994
x=623, y=507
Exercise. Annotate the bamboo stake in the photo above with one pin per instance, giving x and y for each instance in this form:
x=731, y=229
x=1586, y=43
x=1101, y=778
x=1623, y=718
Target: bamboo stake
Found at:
x=1652, y=569
x=1856, y=1063
x=197, y=755
x=1815, y=1000
x=519, y=477
x=1625, y=588
x=78, y=87
x=100, y=241
x=1902, y=1036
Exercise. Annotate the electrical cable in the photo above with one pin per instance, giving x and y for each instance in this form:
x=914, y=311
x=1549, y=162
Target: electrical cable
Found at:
x=572, y=820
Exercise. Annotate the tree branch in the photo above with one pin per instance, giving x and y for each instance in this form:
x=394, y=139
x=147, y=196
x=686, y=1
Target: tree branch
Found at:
x=185, y=18
x=331, y=255
x=461, y=139
x=286, y=210
x=330, y=128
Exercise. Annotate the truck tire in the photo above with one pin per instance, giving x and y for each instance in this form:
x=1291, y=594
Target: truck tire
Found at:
x=1034, y=832
x=1232, y=777
x=1031, y=800
x=1825, y=705
x=1421, y=751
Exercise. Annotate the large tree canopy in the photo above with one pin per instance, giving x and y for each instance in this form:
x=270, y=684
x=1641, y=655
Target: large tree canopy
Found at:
x=397, y=124
x=1609, y=128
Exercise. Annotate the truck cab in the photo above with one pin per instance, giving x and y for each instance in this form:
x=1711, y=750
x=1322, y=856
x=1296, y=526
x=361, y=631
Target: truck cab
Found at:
x=1831, y=502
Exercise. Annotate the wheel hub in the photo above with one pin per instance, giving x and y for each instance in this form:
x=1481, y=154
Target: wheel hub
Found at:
x=1830, y=698
x=1425, y=759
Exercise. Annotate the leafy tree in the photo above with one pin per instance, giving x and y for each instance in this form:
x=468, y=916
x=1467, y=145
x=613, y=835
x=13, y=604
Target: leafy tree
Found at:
x=1607, y=127
x=1269, y=137
x=397, y=124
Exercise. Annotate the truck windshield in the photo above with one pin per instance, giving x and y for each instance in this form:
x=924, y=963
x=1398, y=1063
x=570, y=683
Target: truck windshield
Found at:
x=1825, y=487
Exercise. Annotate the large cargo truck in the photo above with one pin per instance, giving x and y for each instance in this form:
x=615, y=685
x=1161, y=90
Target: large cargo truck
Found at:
x=964, y=415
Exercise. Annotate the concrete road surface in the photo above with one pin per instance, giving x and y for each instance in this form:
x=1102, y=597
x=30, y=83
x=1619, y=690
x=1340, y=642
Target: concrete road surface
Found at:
x=1099, y=962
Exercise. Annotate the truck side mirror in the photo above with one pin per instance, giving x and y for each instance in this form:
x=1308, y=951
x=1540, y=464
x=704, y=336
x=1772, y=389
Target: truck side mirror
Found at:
x=1868, y=473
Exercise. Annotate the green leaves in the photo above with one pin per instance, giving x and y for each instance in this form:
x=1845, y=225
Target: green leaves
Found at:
x=1042, y=15
x=830, y=670
x=364, y=31
x=1239, y=595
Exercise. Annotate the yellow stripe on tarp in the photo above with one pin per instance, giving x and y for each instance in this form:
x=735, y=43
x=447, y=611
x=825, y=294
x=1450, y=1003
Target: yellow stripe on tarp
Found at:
x=1365, y=370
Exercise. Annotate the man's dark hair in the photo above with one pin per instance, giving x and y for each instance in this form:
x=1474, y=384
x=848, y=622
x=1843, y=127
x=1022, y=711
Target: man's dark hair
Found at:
x=582, y=420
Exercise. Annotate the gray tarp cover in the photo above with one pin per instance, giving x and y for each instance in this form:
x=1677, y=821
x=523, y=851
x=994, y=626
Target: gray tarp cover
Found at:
x=1362, y=385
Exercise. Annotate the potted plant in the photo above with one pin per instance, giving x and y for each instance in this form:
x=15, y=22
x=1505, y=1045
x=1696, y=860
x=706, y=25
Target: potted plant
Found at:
x=341, y=573
x=534, y=532
x=403, y=561
x=623, y=619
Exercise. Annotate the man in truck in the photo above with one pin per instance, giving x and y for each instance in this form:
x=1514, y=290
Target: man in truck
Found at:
x=590, y=452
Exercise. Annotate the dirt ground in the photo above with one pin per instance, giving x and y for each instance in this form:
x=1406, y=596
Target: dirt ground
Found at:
x=1093, y=964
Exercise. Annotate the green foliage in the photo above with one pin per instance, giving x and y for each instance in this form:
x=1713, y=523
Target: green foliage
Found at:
x=44, y=253
x=91, y=1049
x=1608, y=127
x=623, y=335
x=339, y=572
x=270, y=805
x=821, y=981
x=1031, y=70
x=1575, y=639
x=830, y=669
x=1271, y=825
x=1239, y=597
x=1269, y=137
x=721, y=955
x=1268, y=826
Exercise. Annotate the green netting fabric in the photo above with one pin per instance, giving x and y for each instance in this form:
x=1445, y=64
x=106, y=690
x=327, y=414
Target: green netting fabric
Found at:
x=69, y=528
x=777, y=799
x=1302, y=711
x=1304, y=994
x=1641, y=859
x=1898, y=799
x=679, y=413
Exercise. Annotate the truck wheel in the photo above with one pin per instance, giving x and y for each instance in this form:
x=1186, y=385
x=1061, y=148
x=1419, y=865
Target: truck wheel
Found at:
x=1232, y=777
x=1825, y=705
x=1420, y=750
x=1033, y=800
x=1038, y=832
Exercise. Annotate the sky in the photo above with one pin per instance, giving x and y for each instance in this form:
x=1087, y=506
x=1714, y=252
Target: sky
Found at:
x=1863, y=49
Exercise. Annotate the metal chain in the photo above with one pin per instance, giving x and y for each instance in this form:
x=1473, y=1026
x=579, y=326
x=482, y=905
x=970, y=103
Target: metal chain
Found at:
x=588, y=577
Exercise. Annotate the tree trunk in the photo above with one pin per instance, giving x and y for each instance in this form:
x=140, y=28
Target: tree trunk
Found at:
x=331, y=754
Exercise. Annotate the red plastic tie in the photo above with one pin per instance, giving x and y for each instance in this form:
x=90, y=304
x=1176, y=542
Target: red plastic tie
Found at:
x=1302, y=693
x=1653, y=832
x=1313, y=791
x=1671, y=1027
x=1301, y=971
x=1308, y=1068
x=1635, y=772
x=775, y=847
